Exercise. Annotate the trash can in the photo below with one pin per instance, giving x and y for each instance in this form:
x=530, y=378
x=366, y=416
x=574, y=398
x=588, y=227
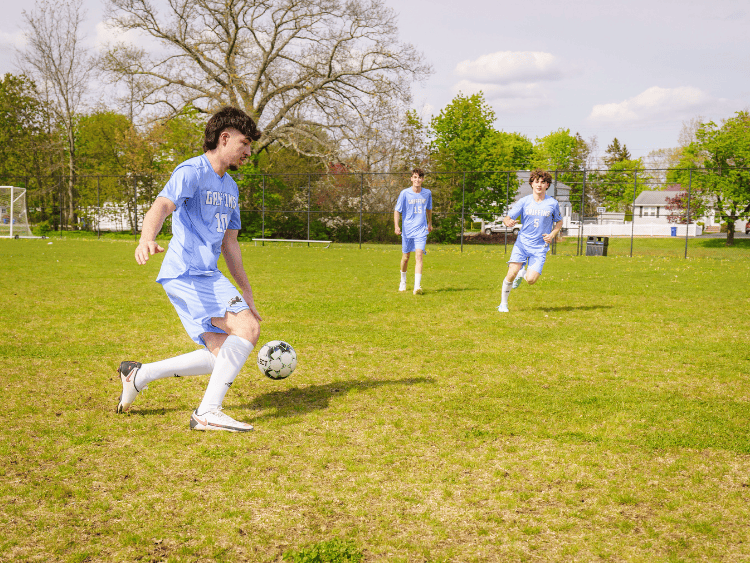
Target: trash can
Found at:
x=674, y=231
x=597, y=246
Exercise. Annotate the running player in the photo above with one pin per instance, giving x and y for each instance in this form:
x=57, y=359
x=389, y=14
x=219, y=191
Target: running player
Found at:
x=415, y=205
x=541, y=221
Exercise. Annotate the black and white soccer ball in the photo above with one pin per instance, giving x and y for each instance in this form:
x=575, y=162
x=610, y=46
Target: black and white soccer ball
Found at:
x=277, y=359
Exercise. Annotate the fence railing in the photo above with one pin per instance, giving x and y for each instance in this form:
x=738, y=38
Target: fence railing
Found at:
x=358, y=207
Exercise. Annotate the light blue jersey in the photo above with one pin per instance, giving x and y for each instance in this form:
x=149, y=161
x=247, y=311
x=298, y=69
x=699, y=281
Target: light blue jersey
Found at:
x=537, y=218
x=413, y=208
x=207, y=205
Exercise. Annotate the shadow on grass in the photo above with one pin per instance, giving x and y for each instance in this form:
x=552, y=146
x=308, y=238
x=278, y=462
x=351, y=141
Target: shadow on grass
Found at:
x=453, y=289
x=299, y=401
x=569, y=308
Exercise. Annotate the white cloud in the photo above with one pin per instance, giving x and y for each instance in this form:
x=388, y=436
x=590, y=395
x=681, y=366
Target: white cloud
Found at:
x=511, y=81
x=508, y=98
x=512, y=67
x=12, y=40
x=661, y=104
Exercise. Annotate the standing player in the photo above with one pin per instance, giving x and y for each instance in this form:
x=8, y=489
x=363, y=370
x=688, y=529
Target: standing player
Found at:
x=542, y=220
x=204, y=202
x=415, y=205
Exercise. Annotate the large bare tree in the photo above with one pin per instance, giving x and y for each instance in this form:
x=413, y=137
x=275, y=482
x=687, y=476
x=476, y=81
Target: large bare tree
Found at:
x=302, y=68
x=61, y=66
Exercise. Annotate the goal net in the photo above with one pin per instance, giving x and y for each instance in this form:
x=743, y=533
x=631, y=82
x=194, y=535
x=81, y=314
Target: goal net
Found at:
x=14, y=221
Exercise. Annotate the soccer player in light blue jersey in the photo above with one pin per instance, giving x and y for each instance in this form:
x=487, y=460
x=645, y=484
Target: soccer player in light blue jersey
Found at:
x=541, y=222
x=204, y=202
x=414, y=205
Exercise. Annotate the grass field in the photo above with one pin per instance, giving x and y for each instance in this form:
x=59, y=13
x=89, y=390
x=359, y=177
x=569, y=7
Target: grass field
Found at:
x=607, y=417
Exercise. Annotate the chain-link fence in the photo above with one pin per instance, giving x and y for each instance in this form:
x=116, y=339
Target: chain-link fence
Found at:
x=467, y=206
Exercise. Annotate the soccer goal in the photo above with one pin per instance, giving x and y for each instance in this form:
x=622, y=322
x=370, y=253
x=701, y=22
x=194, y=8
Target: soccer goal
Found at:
x=14, y=222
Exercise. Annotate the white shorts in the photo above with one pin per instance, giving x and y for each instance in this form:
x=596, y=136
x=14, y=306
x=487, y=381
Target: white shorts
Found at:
x=197, y=299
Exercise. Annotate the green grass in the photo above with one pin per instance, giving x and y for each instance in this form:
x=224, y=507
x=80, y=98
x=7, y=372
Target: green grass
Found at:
x=607, y=417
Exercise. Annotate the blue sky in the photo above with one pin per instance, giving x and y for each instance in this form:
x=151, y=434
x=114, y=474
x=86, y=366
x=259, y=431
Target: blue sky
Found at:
x=635, y=70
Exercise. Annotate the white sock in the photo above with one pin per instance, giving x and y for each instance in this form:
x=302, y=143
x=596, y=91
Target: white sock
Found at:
x=507, y=286
x=232, y=356
x=521, y=273
x=417, y=280
x=199, y=362
x=403, y=277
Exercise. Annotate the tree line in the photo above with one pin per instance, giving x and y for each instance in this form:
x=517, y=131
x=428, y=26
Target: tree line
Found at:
x=329, y=82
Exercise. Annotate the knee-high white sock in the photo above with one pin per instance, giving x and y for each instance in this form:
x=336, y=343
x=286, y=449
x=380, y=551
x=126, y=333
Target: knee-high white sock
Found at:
x=507, y=286
x=521, y=273
x=232, y=356
x=403, y=277
x=199, y=362
x=417, y=280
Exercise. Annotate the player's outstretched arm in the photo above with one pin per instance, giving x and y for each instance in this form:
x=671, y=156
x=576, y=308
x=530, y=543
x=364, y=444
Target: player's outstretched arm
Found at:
x=230, y=249
x=509, y=222
x=152, y=223
x=396, y=221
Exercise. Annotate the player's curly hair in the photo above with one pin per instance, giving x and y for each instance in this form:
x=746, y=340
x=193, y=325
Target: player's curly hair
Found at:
x=418, y=171
x=543, y=175
x=228, y=117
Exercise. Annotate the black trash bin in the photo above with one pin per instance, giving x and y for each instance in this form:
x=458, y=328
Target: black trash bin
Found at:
x=597, y=246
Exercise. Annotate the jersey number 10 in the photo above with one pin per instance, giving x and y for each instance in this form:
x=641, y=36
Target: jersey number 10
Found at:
x=222, y=220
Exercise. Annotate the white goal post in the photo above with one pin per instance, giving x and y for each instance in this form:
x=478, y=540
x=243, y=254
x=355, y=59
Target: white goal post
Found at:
x=14, y=222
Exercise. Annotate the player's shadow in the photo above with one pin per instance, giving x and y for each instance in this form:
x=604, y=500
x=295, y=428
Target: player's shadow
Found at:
x=569, y=308
x=300, y=401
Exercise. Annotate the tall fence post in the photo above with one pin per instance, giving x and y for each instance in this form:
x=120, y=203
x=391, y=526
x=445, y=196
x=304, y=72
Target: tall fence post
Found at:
x=463, y=203
x=553, y=246
x=581, y=217
x=361, y=195
x=98, y=206
x=632, y=222
x=59, y=203
x=687, y=223
x=263, y=212
x=135, y=207
x=308, y=209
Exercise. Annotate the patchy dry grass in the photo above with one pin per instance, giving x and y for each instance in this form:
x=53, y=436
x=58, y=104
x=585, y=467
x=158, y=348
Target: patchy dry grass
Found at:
x=606, y=418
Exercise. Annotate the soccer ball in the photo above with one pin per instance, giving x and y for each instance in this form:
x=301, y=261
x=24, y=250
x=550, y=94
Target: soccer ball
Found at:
x=277, y=359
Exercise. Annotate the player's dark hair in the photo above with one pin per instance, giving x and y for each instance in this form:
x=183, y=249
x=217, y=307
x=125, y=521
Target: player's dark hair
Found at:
x=542, y=175
x=418, y=171
x=228, y=118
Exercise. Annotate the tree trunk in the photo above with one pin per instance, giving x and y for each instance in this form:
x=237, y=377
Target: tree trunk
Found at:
x=730, y=231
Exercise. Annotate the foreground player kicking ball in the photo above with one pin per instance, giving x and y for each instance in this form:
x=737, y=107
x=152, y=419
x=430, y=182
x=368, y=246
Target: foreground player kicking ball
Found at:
x=204, y=201
x=541, y=218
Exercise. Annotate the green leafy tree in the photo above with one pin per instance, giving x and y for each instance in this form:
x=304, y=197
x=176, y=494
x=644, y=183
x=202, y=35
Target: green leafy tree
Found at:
x=24, y=120
x=469, y=158
x=556, y=151
x=616, y=153
x=722, y=153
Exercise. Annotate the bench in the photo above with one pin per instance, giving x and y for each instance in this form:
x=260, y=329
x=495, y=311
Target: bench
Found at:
x=291, y=241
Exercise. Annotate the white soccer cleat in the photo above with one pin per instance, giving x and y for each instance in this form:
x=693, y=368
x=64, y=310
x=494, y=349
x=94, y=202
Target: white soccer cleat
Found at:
x=402, y=286
x=418, y=291
x=518, y=279
x=502, y=308
x=128, y=370
x=217, y=420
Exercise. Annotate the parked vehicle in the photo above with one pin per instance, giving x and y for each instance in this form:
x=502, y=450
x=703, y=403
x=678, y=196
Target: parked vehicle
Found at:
x=747, y=228
x=499, y=227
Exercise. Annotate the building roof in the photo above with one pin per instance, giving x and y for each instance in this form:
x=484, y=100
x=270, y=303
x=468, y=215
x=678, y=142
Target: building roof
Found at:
x=654, y=198
x=561, y=191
